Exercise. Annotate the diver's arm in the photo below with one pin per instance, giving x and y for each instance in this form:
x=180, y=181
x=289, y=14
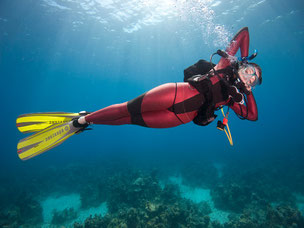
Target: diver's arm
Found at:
x=242, y=110
x=240, y=40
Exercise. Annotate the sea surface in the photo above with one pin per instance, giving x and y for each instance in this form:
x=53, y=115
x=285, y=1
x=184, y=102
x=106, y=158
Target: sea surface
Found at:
x=74, y=55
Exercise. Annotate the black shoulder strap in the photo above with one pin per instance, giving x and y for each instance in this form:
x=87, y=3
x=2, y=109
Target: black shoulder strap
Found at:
x=201, y=67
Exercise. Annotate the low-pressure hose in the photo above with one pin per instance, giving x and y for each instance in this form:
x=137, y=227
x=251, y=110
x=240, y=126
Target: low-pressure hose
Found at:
x=222, y=125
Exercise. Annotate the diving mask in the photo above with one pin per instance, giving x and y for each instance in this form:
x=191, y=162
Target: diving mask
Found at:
x=249, y=75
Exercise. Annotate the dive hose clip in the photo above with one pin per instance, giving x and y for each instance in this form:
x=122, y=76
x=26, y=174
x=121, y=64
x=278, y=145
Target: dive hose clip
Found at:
x=221, y=125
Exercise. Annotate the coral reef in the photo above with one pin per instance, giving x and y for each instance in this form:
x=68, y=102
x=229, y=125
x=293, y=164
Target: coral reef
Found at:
x=24, y=211
x=235, y=192
x=177, y=215
x=136, y=200
x=232, y=197
x=131, y=189
x=254, y=197
x=282, y=216
x=285, y=216
x=92, y=194
x=61, y=217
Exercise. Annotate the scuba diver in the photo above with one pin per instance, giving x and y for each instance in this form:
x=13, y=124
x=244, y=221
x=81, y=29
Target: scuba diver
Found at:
x=206, y=88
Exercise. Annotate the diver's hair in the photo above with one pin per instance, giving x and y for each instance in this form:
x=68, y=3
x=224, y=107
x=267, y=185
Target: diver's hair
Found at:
x=259, y=70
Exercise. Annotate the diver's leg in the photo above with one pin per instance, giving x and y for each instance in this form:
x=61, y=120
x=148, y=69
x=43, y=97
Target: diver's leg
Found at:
x=151, y=109
x=157, y=99
x=116, y=114
x=179, y=101
x=161, y=119
x=168, y=105
x=153, y=104
x=187, y=102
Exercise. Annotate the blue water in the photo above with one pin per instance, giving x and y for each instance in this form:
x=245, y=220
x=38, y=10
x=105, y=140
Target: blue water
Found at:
x=70, y=55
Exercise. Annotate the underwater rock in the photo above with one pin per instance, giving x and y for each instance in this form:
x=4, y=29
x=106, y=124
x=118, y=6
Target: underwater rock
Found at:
x=285, y=216
x=152, y=208
x=30, y=210
x=231, y=197
x=262, y=180
x=204, y=208
x=171, y=193
x=129, y=190
x=9, y=218
x=26, y=212
x=243, y=222
x=181, y=214
x=61, y=217
x=136, y=200
x=93, y=194
x=139, y=182
x=279, y=217
x=93, y=222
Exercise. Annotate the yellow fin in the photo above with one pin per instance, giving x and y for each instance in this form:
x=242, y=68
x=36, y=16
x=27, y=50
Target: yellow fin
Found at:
x=34, y=122
x=45, y=140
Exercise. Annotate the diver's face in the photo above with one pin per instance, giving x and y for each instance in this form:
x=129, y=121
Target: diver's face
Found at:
x=249, y=76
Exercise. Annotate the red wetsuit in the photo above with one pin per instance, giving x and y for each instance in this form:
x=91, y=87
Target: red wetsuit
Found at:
x=173, y=104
